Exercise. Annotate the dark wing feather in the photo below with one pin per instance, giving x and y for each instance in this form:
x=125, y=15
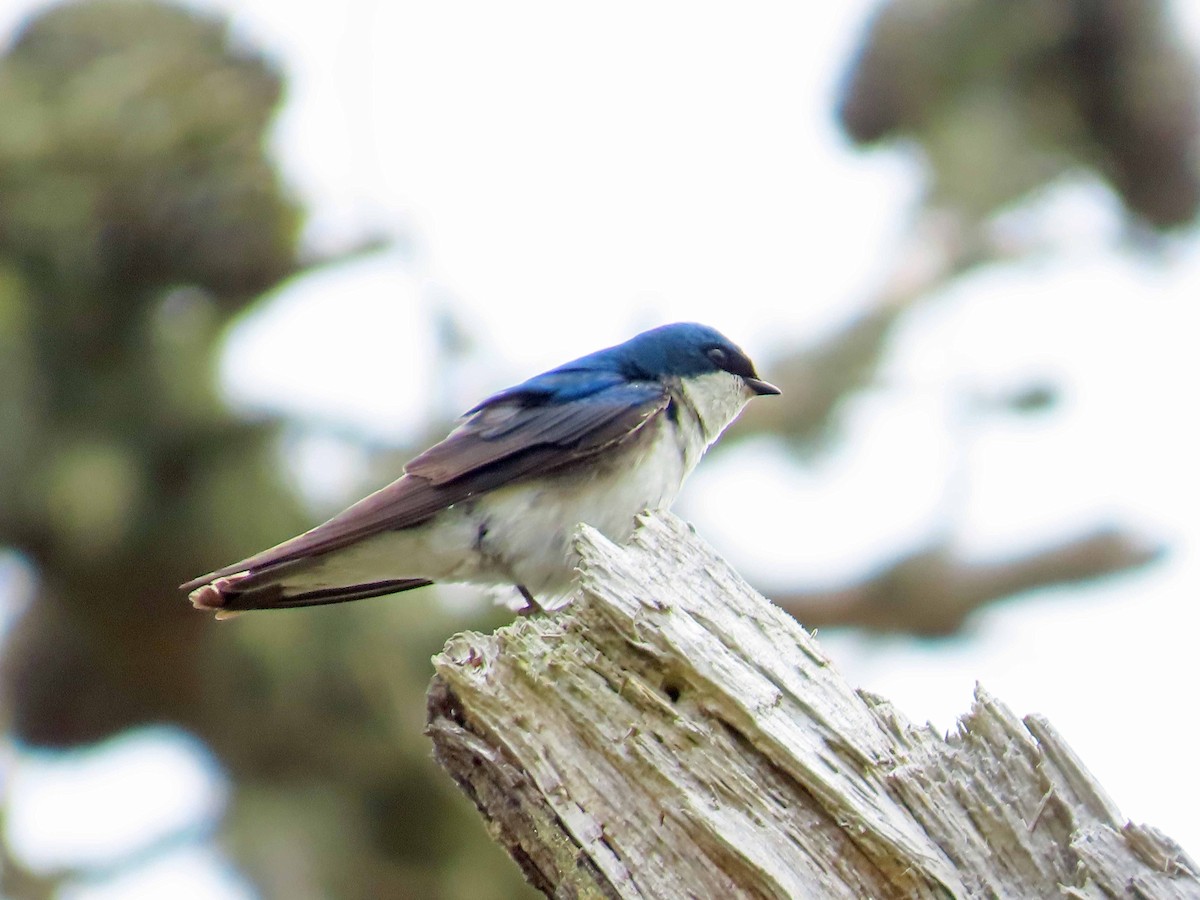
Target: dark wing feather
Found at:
x=503, y=441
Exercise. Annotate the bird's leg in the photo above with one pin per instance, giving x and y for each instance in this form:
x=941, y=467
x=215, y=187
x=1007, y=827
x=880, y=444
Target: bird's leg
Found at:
x=532, y=607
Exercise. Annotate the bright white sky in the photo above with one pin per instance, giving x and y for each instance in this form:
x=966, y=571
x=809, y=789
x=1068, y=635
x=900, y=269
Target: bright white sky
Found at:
x=567, y=175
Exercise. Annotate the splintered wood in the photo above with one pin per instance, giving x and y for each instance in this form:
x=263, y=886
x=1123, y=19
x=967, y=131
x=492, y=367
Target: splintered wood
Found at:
x=672, y=734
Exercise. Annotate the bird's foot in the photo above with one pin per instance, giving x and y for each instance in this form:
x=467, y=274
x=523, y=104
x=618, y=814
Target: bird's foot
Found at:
x=531, y=607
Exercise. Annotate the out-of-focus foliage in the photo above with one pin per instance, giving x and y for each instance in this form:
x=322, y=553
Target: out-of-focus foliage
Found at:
x=1003, y=97
x=139, y=213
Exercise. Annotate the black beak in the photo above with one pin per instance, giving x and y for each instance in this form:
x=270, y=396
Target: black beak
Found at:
x=761, y=387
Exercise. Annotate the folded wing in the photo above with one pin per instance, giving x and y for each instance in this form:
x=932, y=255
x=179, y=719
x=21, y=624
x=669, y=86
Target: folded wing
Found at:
x=511, y=436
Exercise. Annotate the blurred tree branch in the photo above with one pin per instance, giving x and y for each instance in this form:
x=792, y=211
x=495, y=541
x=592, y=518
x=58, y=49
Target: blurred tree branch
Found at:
x=1001, y=101
x=932, y=592
x=929, y=592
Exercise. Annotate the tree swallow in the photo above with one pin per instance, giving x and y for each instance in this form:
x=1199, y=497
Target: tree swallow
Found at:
x=597, y=440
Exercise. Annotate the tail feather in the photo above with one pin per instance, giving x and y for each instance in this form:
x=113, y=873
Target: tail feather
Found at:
x=232, y=594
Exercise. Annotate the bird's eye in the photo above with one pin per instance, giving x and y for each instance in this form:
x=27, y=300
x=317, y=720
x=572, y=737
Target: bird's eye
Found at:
x=719, y=357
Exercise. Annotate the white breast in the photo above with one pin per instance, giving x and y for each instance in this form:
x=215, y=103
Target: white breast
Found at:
x=715, y=400
x=531, y=526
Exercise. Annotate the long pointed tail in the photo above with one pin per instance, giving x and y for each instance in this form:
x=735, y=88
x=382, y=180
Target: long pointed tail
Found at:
x=231, y=594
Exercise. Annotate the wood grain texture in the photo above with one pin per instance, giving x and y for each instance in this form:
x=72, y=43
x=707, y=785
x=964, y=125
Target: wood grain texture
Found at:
x=672, y=734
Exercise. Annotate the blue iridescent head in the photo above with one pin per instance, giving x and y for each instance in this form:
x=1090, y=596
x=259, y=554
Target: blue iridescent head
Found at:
x=686, y=349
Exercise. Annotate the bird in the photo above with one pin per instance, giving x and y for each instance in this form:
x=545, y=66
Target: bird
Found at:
x=597, y=440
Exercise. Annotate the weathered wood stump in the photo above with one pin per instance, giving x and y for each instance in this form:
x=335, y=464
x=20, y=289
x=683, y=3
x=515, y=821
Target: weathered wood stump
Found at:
x=672, y=734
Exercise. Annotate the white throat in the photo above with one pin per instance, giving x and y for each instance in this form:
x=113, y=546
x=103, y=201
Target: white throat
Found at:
x=713, y=401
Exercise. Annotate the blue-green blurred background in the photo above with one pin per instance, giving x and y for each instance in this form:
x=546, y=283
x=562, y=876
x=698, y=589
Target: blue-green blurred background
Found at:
x=254, y=254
